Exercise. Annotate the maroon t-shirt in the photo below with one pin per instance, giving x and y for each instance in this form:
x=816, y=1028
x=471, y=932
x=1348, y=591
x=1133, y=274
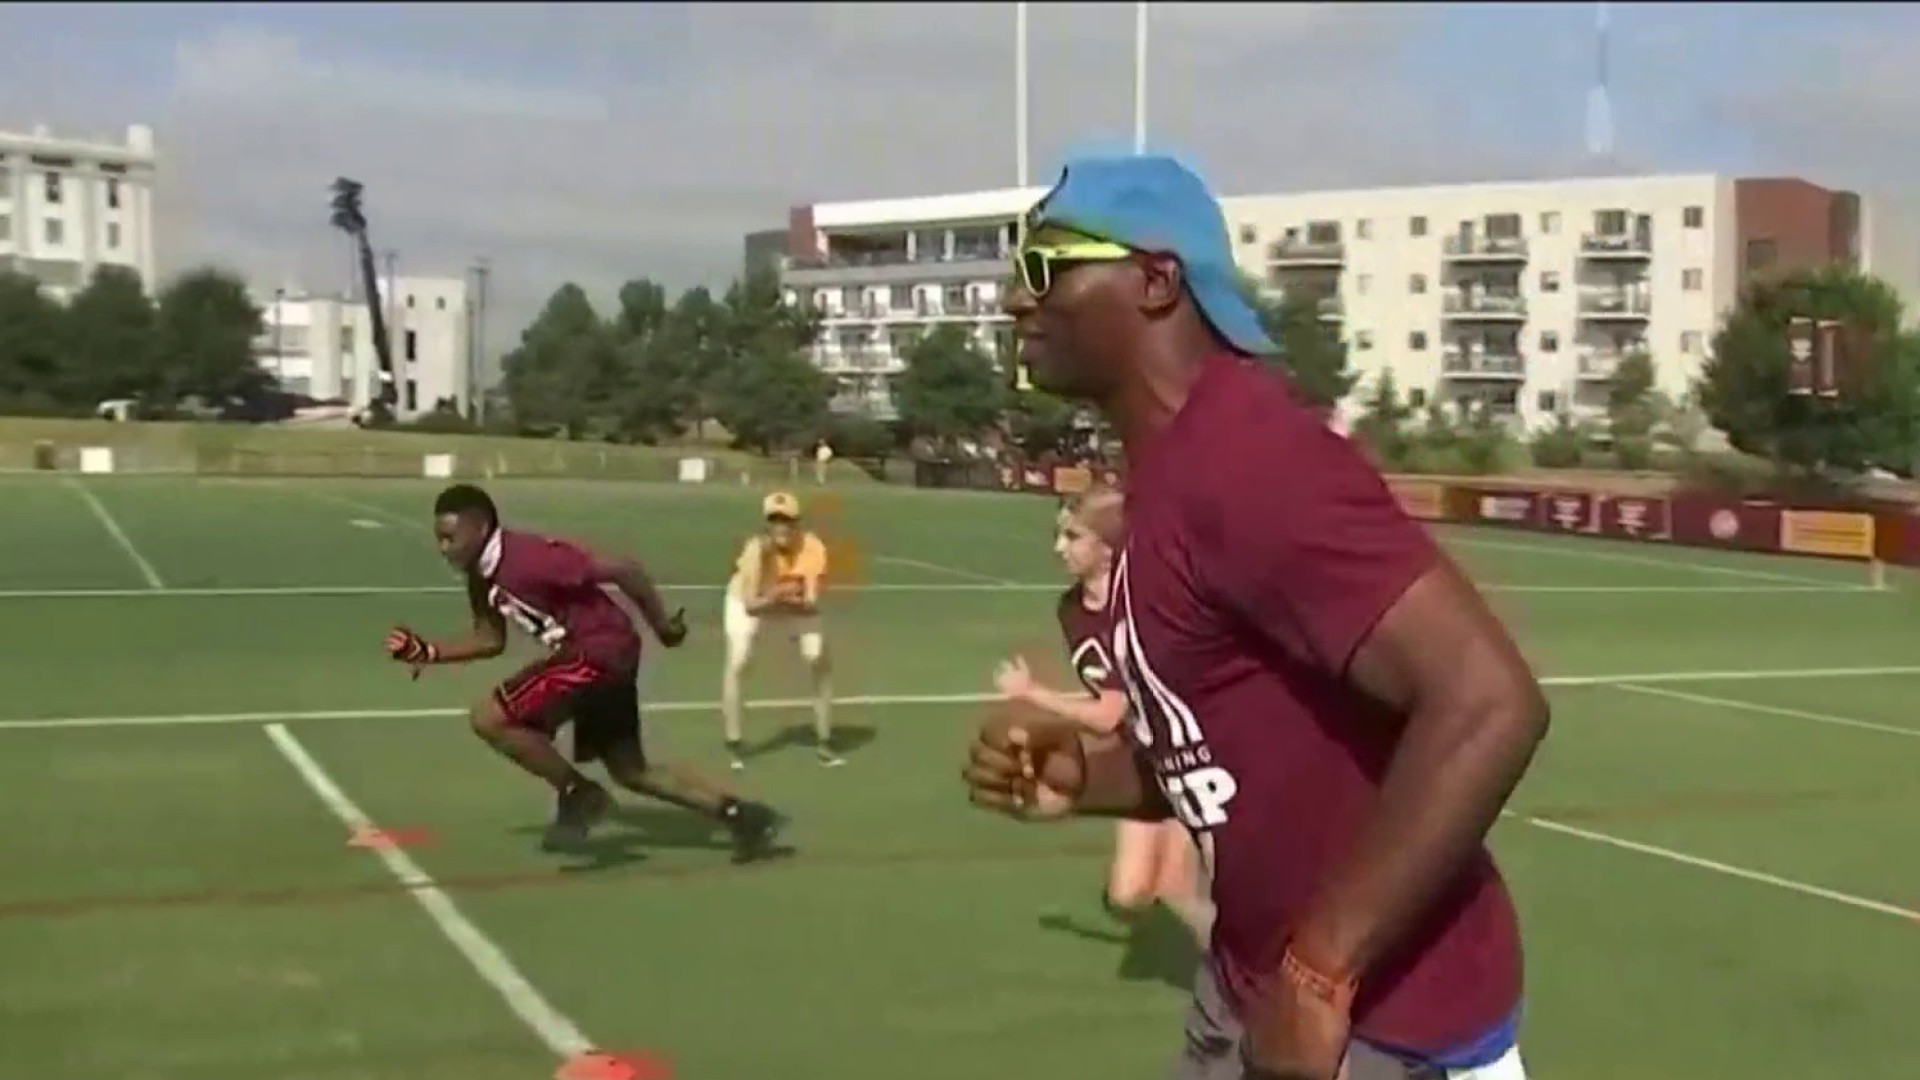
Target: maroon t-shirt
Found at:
x=1236, y=607
x=1085, y=632
x=546, y=587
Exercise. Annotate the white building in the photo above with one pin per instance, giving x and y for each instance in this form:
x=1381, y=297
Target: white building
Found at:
x=70, y=205
x=1523, y=295
x=321, y=345
x=883, y=272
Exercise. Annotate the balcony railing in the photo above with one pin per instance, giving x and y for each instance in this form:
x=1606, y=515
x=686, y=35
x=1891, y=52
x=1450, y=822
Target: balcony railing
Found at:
x=1500, y=305
x=1617, y=303
x=1479, y=363
x=1617, y=245
x=1486, y=248
x=1307, y=251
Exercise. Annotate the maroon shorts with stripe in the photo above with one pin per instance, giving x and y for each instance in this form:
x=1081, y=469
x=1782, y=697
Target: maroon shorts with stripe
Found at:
x=602, y=702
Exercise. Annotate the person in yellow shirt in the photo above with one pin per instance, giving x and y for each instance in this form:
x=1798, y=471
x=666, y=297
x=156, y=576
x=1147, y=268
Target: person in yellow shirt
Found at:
x=776, y=582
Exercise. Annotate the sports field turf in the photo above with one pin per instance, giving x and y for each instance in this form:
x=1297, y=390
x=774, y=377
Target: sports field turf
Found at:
x=1714, y=857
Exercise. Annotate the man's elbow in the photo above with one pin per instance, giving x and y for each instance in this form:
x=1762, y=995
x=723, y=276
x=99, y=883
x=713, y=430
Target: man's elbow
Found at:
x=1517, y=717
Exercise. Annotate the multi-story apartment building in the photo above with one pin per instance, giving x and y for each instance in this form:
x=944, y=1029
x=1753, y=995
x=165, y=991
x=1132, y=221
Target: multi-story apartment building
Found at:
x=321, y=345
x=68, y=205
x=1521, y=295
x=882, y=273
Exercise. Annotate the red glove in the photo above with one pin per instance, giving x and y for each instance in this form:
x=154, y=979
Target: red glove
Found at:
x=410, y=648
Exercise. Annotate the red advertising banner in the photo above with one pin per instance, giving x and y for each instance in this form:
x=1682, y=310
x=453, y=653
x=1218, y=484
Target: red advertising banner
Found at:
x=1496, y=506
x=1708, y=521
x=1625, y=517
x=1571, y=511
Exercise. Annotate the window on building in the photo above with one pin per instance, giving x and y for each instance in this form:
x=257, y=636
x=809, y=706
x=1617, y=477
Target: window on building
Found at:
x=53, y=188
x=1694, y=217
x=1692, y=280
x=1550, y=223
x=113, y=236
x=1691, y=343
x=1249, y=234
x=1362, y=283
x=955, y=300
x=409, y=301
x=56, y=231
x=1417, y=398
x=6, y=180
x=413, y=349
x=1610, y=222
x=850, y=300
x=1549, y=281
x=1503, y=226
x=6, y=228
x=113, y=194
x=1323, y=232
x=439, y=303
x=1417, y=225
x=1548, y=401
x=413, y=396
x=1417, y=284
x=1363, y=229
x=346, y=340
x=1761, y=254
x=1549, y=341
x=900, y=297
x=1417, y=341
x=1363, y=340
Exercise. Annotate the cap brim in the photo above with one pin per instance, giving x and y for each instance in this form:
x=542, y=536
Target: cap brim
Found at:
x=1231, y=316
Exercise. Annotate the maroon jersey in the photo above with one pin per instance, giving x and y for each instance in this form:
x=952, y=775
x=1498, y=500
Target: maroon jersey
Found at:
x=1086, y=636
x=547, y=588
x=1236, y=607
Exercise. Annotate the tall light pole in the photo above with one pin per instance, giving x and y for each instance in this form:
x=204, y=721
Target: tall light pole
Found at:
x=1140, y=77
x=1020, y=93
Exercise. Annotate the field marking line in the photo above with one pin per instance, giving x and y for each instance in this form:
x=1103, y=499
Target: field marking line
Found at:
x=989, y=585
x=393, y=517
x=954, y=571
x=554, y=1028
x=1713, y=866
x=1768, y=710
x=1554, y=550
x=114, y=530
x=974, y=698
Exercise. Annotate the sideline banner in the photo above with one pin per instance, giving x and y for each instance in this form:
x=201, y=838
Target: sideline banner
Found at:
x=1832, y=533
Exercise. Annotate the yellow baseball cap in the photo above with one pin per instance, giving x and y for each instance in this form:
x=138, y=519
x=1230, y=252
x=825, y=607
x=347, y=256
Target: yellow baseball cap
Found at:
x=780, y=504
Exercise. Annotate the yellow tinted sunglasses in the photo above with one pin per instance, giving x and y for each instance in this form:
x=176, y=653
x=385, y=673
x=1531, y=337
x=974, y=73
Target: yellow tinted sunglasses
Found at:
x=1036, y=264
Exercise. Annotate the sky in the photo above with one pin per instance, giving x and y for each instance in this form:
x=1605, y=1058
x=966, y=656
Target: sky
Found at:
x=601, y=142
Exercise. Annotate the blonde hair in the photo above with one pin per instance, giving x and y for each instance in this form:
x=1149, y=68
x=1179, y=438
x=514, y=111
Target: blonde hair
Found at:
x=1101, y=509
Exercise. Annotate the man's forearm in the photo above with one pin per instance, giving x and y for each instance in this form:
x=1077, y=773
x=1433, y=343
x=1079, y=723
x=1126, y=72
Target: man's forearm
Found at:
x=633, y=580
x=1443, y=791
x=1118, y=784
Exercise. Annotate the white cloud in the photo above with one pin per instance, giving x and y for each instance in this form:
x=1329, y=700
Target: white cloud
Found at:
x=597, y=143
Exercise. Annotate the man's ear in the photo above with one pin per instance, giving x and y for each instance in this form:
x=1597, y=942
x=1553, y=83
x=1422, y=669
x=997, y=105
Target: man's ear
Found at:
x=1162, y=282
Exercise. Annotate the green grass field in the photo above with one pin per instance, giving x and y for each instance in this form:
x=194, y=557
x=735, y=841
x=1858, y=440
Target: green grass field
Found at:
x=1713, y=856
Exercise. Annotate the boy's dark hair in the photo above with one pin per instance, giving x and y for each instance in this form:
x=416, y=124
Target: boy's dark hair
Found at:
x=465, y=499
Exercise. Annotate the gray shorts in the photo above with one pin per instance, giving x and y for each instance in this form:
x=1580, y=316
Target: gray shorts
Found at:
x=1211, y=1050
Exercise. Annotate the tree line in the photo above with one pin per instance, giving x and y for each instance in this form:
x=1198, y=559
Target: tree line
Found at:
x=659, y=368
x=191, y=345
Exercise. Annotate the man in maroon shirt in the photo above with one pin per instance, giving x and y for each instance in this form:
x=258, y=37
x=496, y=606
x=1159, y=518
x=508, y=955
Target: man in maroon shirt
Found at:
x=1330, y=706
x=552, y=590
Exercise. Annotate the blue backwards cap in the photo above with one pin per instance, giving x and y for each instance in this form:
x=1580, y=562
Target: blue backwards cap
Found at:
x=1153, y=203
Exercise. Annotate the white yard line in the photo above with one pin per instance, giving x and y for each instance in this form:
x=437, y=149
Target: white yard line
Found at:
x=192, y=719
x=1768, y=710
x=371, y=509
x=1573, y=552
x=554, y=1028
x=119, y=535
x=988, y=585
x=1712, y=866
x=953, y=571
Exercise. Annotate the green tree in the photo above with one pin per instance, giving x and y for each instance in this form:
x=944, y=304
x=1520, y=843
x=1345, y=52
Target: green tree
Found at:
x=1633, y=411
x=949, y=388
x=206, y=326
x=1382, y=426
x=30, y=333
x=111, y=339
x=655, y=396
x=1310, y=347
x=563, y=376
x=756, y=369
x=1744, y=386
x=1039, y=422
